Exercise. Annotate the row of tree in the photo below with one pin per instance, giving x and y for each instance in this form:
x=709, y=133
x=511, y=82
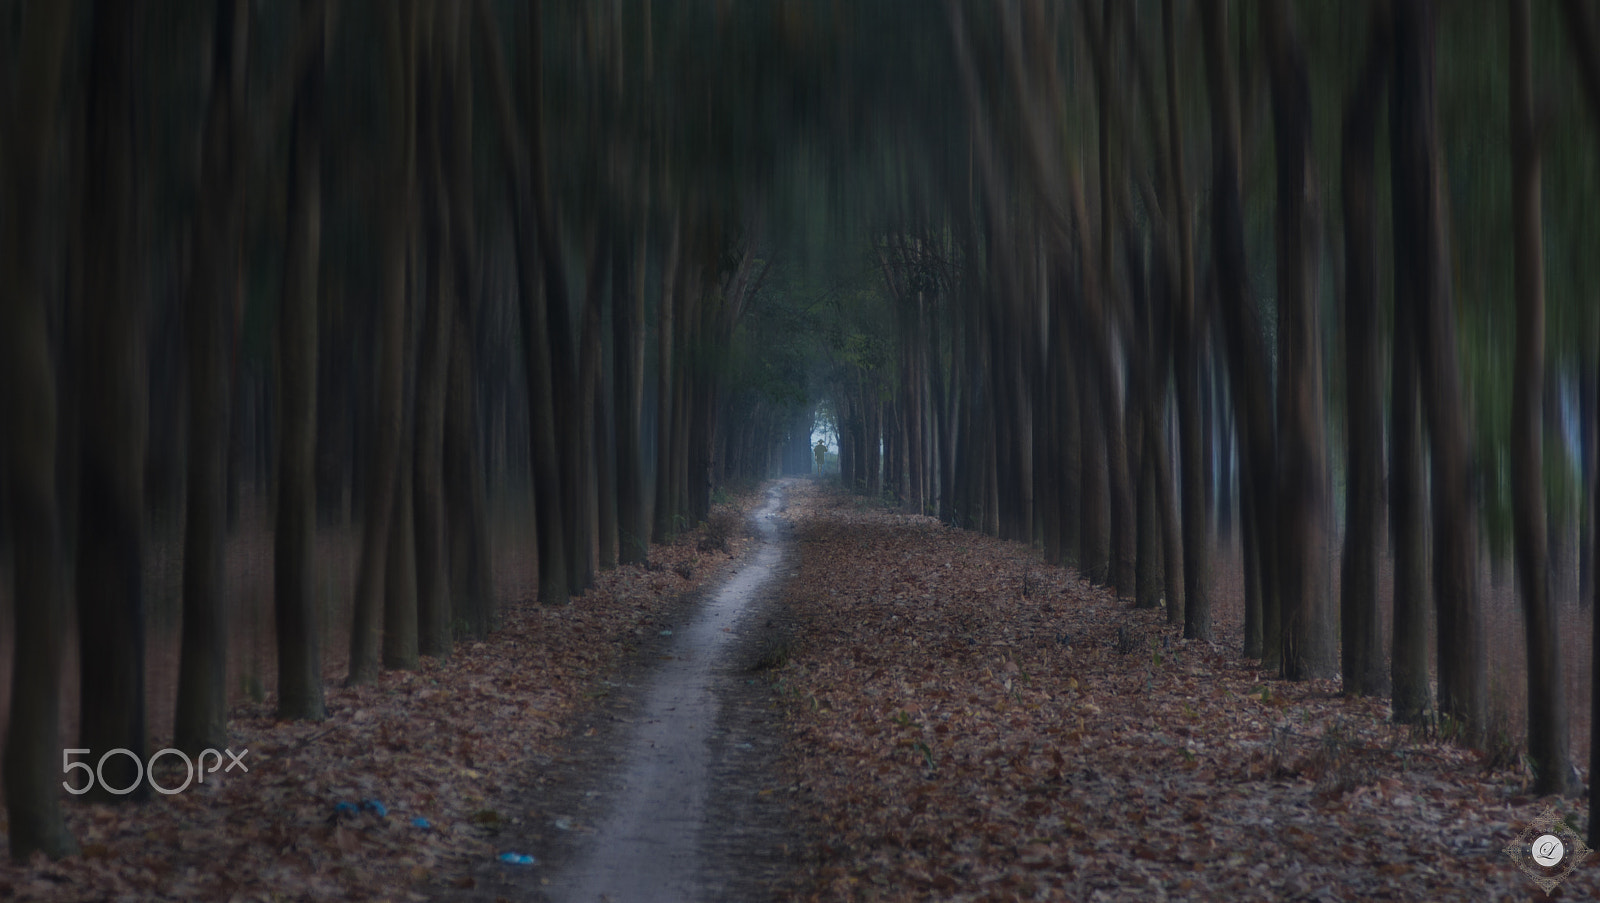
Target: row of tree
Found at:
x=332, y=265
x=1054, y=319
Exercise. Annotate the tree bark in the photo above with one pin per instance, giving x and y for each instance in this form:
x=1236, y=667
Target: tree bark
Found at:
x=366, y=635
x=111, y=510
x=1547, y=703
x=1196, y=553
x=433, y=365
x=294, y=540
x=628, y=340
x=466, y=508
x=554, y=587
x=1362, y=651
x=1423, y=275
x=28, y=404
x=1310, y=647
x=1246, y=357
x=200, y=719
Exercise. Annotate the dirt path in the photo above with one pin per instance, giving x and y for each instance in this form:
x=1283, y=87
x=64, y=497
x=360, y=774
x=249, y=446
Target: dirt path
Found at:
x=667, y=790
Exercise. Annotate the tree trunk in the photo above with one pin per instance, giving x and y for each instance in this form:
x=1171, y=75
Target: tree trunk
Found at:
x=1547, y=701
x=1362, y=651
x=1194, y=609
x=366, y=635
x=294, y=542
x=111, y=510
x=544, y=457
x=666, y=414
x=400, y=650
x=589, y=406
x=627, y=339
x=433, y=364
x=28, y=403
x=466, y=508
x=1241, y=320
x=200, y=720
x=1310, y=647
x=1423, y=274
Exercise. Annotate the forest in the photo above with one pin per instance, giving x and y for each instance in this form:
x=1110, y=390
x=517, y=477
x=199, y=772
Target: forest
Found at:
x=344, y=340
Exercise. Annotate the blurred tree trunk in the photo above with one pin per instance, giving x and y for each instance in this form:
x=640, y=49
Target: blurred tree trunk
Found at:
x=1196, y=554
x=111, y=511
x=1362, y=651
x=466, y=508
x=666, y=372
x=1421, y=258
x=1547, y=701
x=554, y=587
x=589, y=387
x=1580, y=31
x=1240, y=318
x=433, y=364
x=400, y=635
x=628, y=341
x=563, y=362
x=1310, y=643
x=200, y=720
x=28, y=406
x=294, y=572
x=366, y=635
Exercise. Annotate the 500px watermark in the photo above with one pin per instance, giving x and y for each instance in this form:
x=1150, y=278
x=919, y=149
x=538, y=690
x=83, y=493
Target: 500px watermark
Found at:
x=196, y=768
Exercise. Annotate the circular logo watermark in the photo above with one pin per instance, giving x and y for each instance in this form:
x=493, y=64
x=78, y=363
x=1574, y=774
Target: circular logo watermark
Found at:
x=1547, y=850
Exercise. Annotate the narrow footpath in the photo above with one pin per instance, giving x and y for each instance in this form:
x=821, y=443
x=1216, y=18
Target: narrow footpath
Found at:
x=665, y=792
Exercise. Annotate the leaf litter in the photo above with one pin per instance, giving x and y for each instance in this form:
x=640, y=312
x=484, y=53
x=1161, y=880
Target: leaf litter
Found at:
x=967, y=723
x=409, y=784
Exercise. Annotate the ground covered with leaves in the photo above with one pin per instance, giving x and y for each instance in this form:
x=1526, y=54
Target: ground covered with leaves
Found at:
x=408, y=786
x=968, y=724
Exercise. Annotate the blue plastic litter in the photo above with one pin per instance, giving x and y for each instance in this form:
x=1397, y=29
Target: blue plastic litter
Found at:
x=518, y=859
x=422, y=823
x=375, y=807
x=346, y=809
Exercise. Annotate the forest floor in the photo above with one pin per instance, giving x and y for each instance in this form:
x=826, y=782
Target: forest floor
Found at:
x=968, y=724
x=924, y=713
x=446, y=752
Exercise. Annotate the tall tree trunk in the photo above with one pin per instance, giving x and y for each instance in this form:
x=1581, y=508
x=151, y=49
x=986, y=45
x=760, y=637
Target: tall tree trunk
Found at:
x=466, y=508
x=666, y=414
x=28, y=399
x=433, y=364
x=1421, y=260
x=200, y=720
x=1196, y=560
x=628, y=339
x=1547, y=699
x=1310, y=646
x=366, y=635
x=589, y=389
x=1362, y=651
x=111, y=511
x=1241, y=320
x=296, y=619
x=554, y=587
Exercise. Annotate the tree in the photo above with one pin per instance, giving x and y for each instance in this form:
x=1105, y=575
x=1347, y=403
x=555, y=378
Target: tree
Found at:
x=366, y=636
x=1547, y=707
x=1423, y=286
x=1361, y=660
x=112, y=415
x=29, y=394
x=1309, y=644
x=433, y=365
x=201, y=716
x=298, y=634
